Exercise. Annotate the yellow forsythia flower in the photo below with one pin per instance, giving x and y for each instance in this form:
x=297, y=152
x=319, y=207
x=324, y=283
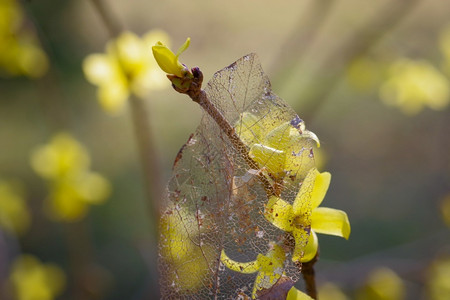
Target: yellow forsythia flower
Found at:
x=126, y=67
x=20, y=53
x=297, y=218
x=15, y=216
x=187, y=261
x=168, y=61
x=413, y=84
x=269, y=267
x=278, y=148
x=438, y=281
x=382, y=284
x=31, y=280
x=445, y=209
x=64, y=162
x=295, y=294
x=330, y=291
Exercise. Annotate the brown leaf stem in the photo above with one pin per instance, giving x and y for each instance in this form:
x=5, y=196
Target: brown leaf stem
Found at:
x=309, y=276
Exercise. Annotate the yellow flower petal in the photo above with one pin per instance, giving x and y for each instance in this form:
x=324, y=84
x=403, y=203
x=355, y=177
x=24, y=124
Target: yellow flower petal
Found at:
x=248, y=128
x=295, y=294
x=14, y=213
x=241, y=267
x=64, y=204
x=311, y=135
x=279, y=213
x=130, y=52
x=183, y=47
x=270, y=269
x=311, y=248
x=299, y=160
x=32, y=279
x=93, y=188
x=269, y=158
x=167, y=60
x=278, y=138
x=100, y=69
x=312, y=191
x=113, y=96
x=301, y=237
x=62, y=156
x=265, y=280
x=149, y=80
x=330, y=221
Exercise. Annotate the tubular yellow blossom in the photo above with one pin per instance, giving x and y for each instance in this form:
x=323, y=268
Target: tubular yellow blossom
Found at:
x=382, y=284
x=168, y=61
x=438, y=279
x=126, y=67
x=294, y=218
x=280, y=150
x=188, y=260
x=15, y=217
x=295, y=294
x=20, y=53
x=414, y=84
x=269, y=267
x=30, y=279
x=64, y=162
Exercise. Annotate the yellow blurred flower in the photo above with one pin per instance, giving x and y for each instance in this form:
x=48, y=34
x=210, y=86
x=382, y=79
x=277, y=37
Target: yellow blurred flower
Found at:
x=126, y=67
x=187, y=261
x=364, y=73
x=413, y=84
x=438, y=284
x=330, y=291
x=63, y=156
x=32, y=280
x=445, y=209
x=64, y=162
x=269, y=267
x=15, y=216
x=304, y=224
x=11, y=16
x=382, y=284
x=20, y=53
x=168, y=61
x=295, y=294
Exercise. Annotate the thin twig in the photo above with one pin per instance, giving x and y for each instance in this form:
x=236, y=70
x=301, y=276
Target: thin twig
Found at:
x=199, y=96
x=150, y=161
x=143, y=132
x=309, y=276
x=149, y=157
x=111, y=23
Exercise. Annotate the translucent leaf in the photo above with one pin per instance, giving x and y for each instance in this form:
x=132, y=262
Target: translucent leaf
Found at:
x=215, y=201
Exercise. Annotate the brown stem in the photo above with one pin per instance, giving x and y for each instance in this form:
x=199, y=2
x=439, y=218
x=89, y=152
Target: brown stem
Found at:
x=112, y=24
x=150, y=162
x=309, y=277
x=149, y=157
x=199, y=96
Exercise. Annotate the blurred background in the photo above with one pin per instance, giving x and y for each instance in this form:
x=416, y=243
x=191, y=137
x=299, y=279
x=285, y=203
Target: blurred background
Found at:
x=372, y=81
